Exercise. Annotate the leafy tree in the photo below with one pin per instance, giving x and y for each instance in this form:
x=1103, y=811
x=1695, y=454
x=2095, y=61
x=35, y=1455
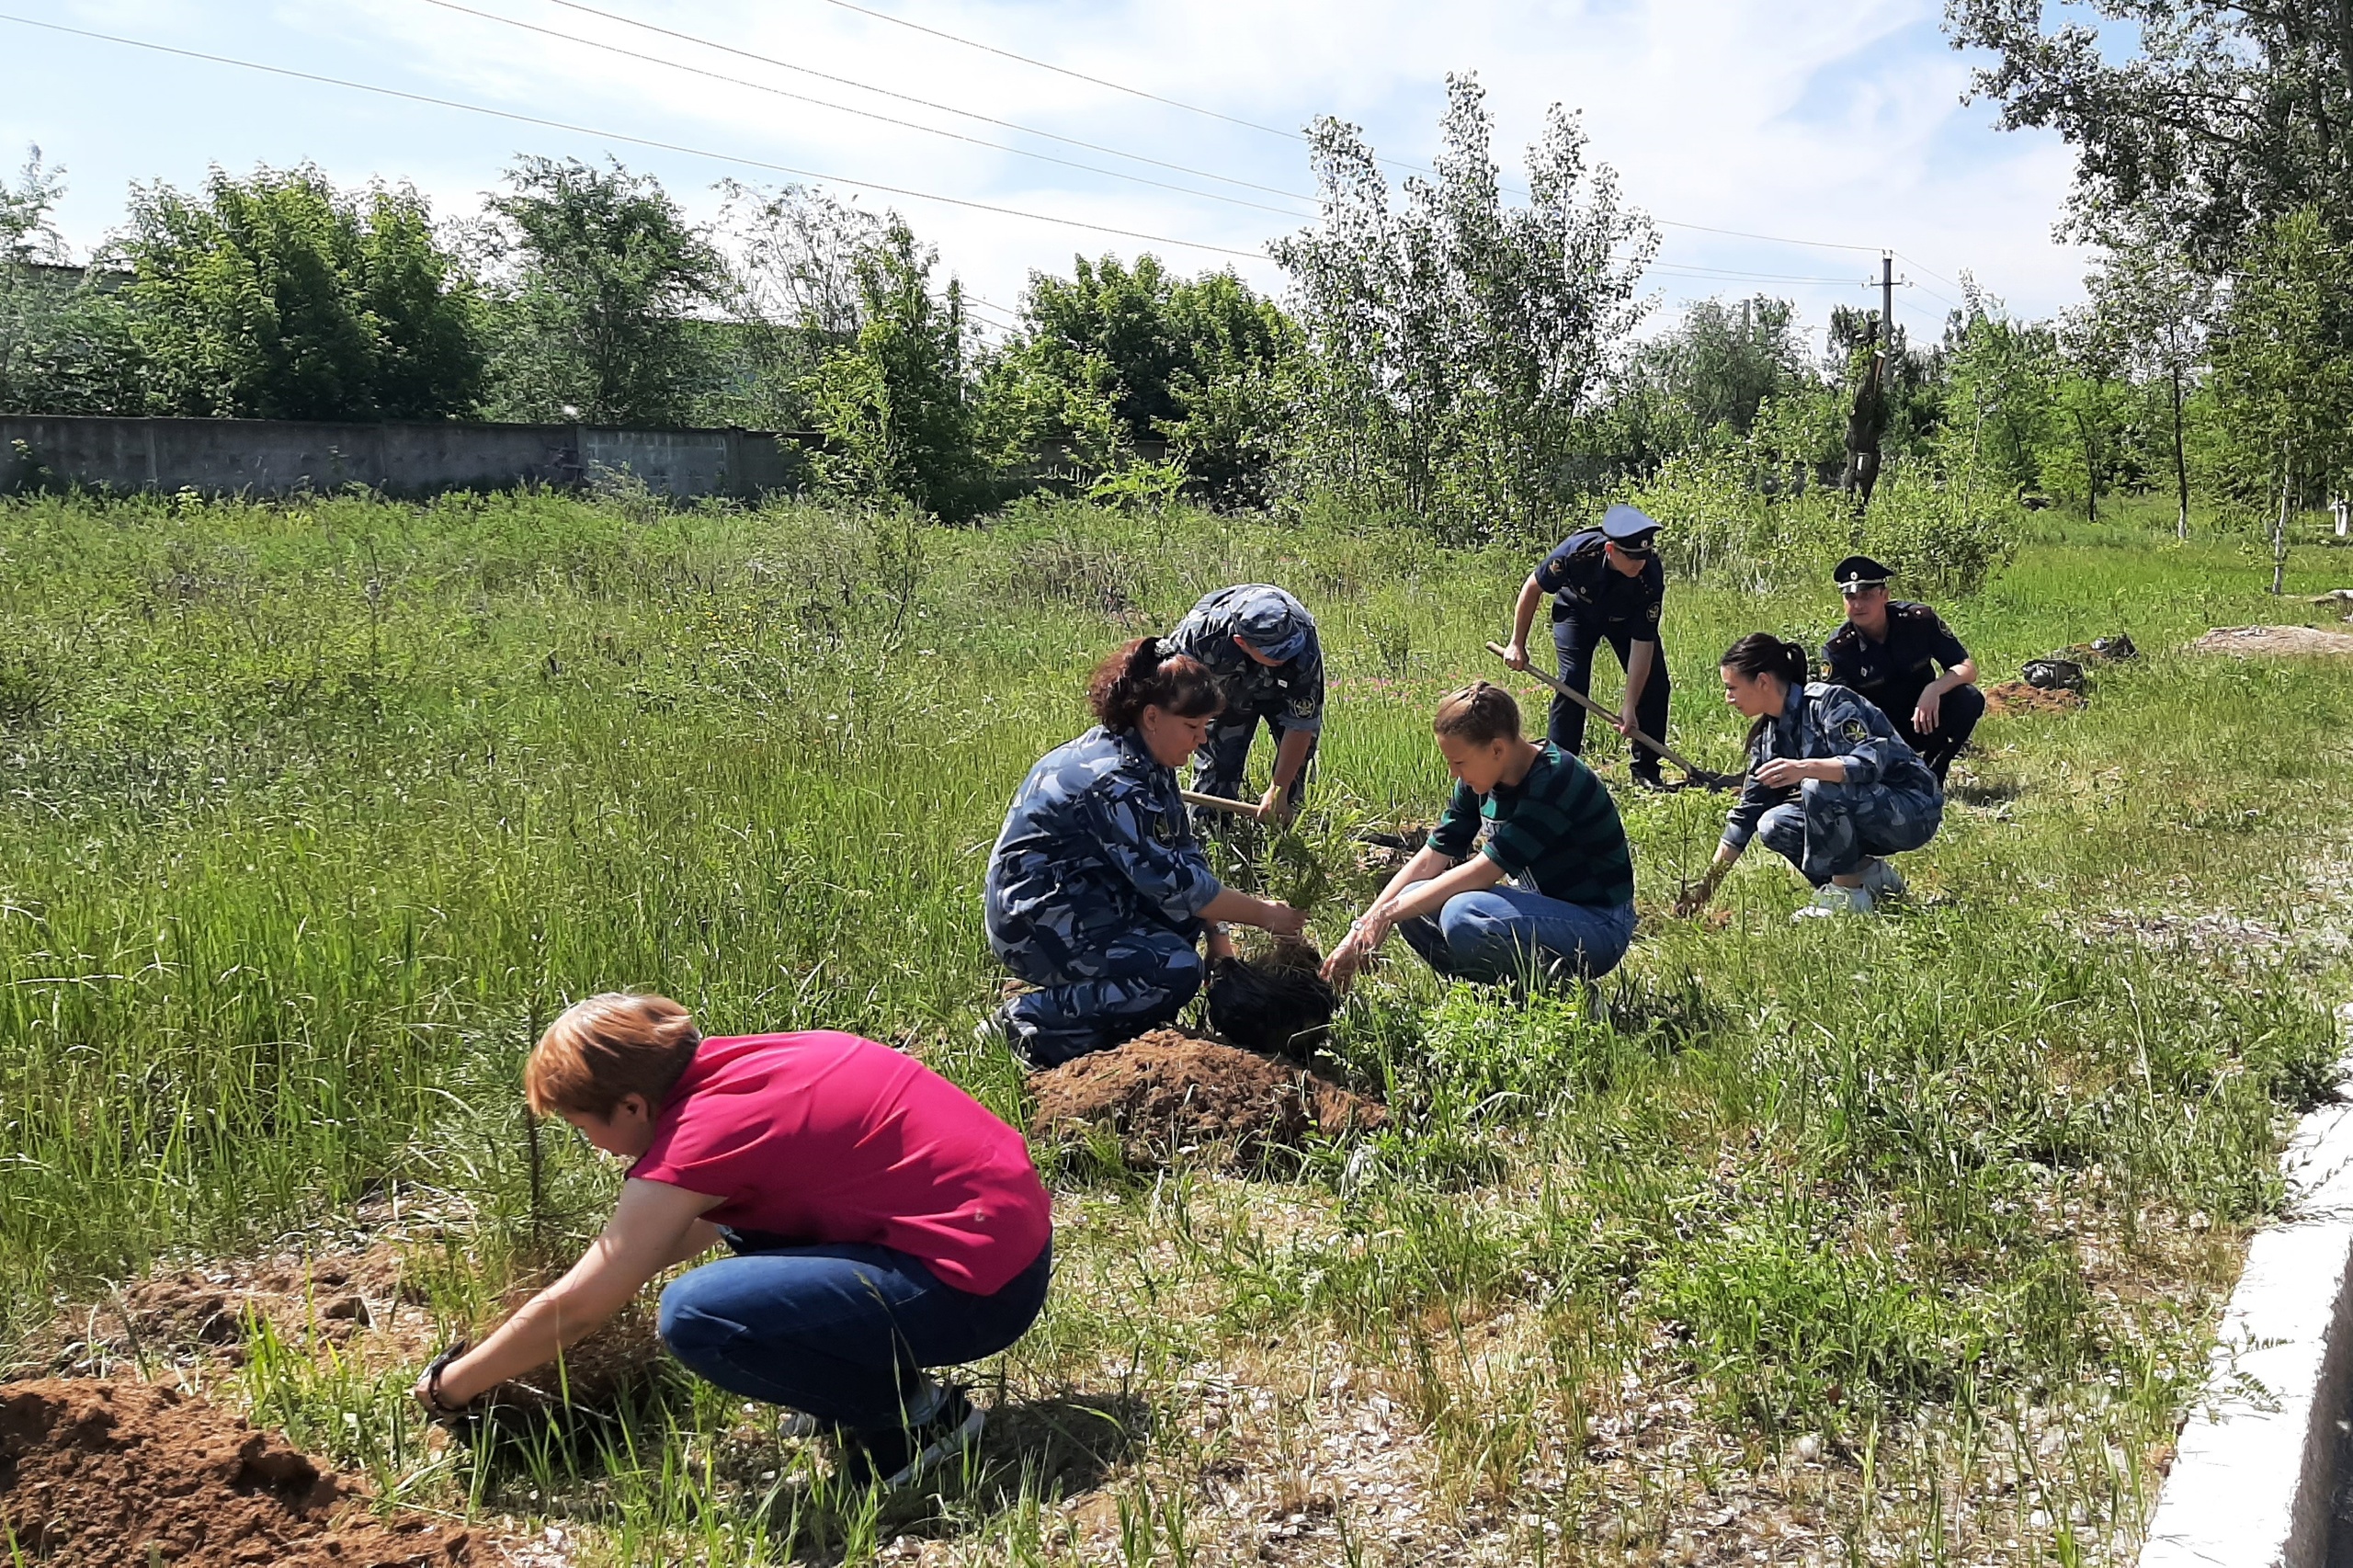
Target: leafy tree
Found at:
x=793, y=292
x=1453, y=345
x=2085, y=442
x=1913, y=379
x=2231, y=114
x=65, y=342
x=895, y=404
x=1998, y=410
x=1115, y=359
x=280, y=296
x=599, y=312
x=2283, y=367
x=2160, y=306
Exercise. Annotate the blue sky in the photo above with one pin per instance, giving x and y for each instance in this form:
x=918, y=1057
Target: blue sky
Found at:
x=1795, y=118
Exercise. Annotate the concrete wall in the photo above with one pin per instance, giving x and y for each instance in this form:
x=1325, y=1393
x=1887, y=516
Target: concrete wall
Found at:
x=270, y=457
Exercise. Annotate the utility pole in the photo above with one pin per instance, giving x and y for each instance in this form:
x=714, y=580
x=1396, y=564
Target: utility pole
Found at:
x=1887, y=302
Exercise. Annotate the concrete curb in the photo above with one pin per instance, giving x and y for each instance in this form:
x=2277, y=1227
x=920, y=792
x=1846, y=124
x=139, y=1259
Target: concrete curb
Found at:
x=2254, y=1473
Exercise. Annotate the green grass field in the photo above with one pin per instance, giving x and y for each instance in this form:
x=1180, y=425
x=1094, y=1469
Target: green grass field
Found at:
x=1897, y=1240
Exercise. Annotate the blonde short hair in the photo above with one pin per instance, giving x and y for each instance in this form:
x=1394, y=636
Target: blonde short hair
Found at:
x=608, y=1048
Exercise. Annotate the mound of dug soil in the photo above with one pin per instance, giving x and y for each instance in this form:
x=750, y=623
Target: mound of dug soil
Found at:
x=1166, y=1093
x=96, y=1472
x=2273, y=642
x=2017, y=696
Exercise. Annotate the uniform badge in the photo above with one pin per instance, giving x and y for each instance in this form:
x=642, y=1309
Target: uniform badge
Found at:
x=1164, y=831
x=1856, y=731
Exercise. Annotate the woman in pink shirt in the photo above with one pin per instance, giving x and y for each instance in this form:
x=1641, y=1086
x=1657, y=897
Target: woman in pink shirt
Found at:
x=882, y=1221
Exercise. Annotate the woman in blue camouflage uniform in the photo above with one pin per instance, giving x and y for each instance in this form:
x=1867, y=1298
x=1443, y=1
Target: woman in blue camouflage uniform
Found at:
x=1099, y=891
x=1831, y=786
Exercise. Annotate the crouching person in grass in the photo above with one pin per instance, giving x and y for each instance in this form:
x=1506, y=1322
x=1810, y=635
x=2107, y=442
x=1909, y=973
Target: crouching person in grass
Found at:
x=1098, y=892
x=1832, y=787
x=1535, y=816
x=881, y=1222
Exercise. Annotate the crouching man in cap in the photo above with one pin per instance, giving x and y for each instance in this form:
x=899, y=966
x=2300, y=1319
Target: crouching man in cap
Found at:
x=1262, y=645
x=1607, y=585
x=1890, y=649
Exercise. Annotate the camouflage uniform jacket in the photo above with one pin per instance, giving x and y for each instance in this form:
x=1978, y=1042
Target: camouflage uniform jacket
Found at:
x=1098, y=842
x=1820, y=721
x=1290, y=693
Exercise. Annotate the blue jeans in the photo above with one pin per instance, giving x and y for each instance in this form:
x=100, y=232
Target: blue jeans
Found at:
x=1504, y=933
x=842, y=1332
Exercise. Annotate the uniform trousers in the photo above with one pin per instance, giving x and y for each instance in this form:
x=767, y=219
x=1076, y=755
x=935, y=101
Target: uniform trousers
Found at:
x=1831, y=829
x=1107, y=990
x=1505, y=933
x=1574, y=639
x=1957, y=717
x=841, y=1332
x=1222, y=765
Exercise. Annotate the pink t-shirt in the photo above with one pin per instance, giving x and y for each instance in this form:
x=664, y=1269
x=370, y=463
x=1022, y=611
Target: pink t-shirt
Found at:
x=826, y=1137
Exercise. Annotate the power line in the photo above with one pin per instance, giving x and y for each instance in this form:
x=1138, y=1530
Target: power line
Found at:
x=1956, y=305
x=1768, y=239
x=1137, y=92
x=1269, y=130
x=925, y=103
x=1937, y=276
x=846, y=108
x=1066, y=71
x=621, y=136
x=1737, y=276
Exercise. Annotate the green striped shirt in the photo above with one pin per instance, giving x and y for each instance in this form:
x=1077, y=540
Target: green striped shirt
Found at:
x=1557, y=830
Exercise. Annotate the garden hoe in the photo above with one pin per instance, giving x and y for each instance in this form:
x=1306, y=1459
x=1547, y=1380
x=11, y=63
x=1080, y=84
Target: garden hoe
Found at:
x=1220, y=804
x=1694, y=776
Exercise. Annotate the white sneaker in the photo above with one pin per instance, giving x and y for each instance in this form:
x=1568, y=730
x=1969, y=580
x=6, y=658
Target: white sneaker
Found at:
x=1881, y=879
x=1831, y=899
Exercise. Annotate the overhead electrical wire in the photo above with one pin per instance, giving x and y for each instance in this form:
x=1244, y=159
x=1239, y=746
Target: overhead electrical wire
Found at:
x=1254, y=125
x=865, y=114
x=580, y=5
x=1066, y=71
x=926, y=103
x=621, y=136
x=1670, y=268
x=1931, y=272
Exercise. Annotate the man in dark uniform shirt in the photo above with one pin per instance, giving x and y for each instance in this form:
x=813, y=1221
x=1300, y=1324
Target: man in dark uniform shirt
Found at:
x=1889, y=650
x=1607, y=585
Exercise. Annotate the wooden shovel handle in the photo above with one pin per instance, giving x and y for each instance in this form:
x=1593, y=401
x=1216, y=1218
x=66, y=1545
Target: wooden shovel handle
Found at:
x=1590, y=706
x=1219, y=803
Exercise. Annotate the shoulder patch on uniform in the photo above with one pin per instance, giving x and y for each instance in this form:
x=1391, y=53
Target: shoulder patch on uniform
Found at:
x=1164, y=830
x=1856, y=731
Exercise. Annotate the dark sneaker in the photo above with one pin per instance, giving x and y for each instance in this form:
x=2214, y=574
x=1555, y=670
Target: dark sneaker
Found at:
x=1650, y=779
x=903, y=1456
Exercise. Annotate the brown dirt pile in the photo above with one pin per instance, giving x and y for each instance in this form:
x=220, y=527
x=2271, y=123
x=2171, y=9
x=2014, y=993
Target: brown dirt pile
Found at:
x=96, y=1472
x=2273, y=642
x=2017, y=696
x=1166, y=1093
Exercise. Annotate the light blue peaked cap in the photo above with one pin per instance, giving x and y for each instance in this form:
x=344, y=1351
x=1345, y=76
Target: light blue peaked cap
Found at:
x=1624, y=523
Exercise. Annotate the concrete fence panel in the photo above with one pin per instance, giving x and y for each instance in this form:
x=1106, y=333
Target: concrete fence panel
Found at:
x=272, y=456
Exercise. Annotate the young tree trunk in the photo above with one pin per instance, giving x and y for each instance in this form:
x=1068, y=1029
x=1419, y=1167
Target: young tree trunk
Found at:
x=2091, y=471
x=2280, y=529
x=2180, y=463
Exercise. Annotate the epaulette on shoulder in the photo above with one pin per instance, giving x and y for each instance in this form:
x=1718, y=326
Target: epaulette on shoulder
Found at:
x=1906, y=610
